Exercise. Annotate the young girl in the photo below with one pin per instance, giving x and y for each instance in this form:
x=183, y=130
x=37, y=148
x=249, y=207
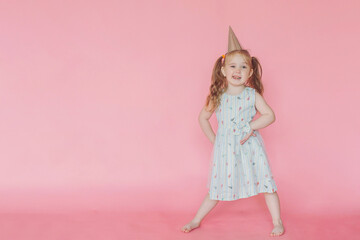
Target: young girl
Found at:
x=239, y=166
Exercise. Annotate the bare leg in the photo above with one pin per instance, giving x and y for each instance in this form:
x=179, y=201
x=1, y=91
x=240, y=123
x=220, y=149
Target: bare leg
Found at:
x=204, y=209
x=273, y=203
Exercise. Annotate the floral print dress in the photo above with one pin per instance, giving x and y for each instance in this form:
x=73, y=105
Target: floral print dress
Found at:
x=238, y=171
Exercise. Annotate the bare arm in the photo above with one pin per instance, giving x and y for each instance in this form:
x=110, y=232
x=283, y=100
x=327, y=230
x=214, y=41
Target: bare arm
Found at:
x=267, y=115
x=205, y=125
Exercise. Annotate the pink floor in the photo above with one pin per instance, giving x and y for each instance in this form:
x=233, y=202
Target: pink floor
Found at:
x=219, y=225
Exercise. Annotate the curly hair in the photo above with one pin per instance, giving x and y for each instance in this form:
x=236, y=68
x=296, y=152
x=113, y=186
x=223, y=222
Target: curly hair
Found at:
x=219, y=83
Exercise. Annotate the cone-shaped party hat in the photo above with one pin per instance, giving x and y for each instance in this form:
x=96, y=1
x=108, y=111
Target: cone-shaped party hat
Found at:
x=233, y=42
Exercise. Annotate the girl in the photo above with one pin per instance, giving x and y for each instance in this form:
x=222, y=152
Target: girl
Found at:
x=239, y=166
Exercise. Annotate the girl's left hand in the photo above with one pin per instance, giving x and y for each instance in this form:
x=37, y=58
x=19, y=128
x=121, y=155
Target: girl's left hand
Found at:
x=247, y=136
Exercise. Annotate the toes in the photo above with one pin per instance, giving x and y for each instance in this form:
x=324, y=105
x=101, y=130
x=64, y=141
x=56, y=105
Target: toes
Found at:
x=186, y=229
x=276, y=234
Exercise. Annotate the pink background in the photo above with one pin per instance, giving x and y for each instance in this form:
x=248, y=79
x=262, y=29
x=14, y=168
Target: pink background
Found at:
x=99, y=102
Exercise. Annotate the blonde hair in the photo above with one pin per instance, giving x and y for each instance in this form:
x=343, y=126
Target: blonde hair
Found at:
x=219, y=83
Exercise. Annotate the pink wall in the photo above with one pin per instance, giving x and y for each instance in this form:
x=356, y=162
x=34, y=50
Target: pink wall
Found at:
x=99, y=101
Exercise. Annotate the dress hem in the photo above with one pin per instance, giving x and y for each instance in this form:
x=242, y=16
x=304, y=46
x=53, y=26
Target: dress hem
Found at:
x=233, y=199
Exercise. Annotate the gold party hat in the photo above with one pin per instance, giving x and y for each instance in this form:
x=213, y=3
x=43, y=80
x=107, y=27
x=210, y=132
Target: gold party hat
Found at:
x=233, y=42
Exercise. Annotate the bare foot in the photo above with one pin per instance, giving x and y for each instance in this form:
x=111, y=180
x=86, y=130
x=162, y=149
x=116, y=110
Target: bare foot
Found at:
x=278, y=229
x=190, y=226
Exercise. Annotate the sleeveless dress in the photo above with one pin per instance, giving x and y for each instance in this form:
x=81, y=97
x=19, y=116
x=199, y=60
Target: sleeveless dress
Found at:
x=238, y=171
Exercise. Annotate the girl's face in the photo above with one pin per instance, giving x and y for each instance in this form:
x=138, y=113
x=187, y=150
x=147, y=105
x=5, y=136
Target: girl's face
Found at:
x=236, y=70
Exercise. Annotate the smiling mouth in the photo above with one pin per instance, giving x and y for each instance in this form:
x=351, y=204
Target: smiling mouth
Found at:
x=236, y=77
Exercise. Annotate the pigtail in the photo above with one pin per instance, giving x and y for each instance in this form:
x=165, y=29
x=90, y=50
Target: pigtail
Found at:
x=255, y=79
x=218, y=83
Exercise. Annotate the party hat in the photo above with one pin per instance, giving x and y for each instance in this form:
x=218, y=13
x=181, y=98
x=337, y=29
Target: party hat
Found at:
x=233, y=42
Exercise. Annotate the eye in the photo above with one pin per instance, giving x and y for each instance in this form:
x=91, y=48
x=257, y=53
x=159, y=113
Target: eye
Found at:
x=244, y=66
x=232, y=66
